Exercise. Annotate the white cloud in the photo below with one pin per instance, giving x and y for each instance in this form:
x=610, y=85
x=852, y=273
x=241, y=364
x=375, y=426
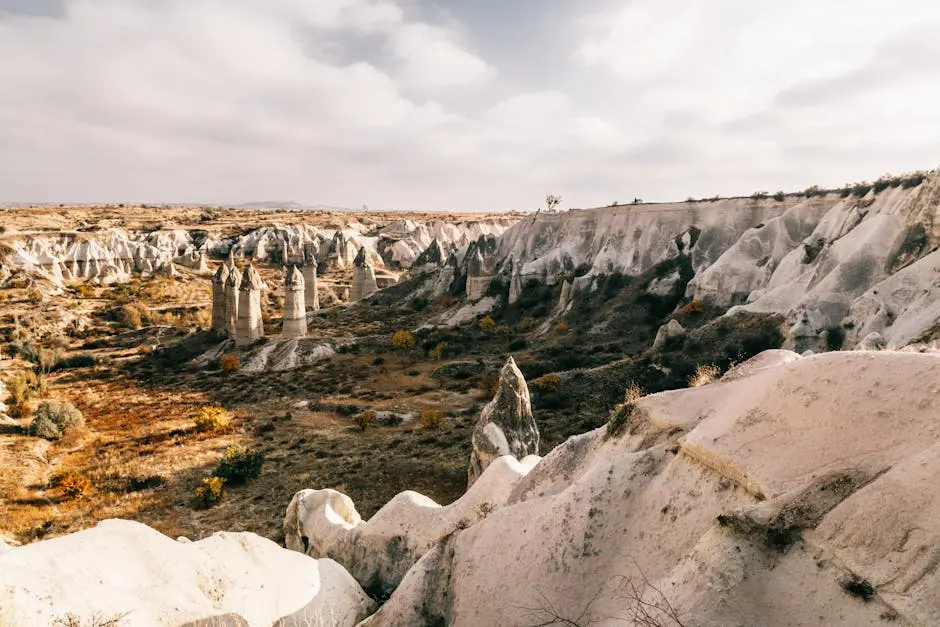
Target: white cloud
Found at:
x=431, y=57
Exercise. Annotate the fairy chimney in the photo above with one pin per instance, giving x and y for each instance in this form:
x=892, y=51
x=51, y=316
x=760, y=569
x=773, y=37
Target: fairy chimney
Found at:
x=218, y=298
x=295, y=316
x=363, y=283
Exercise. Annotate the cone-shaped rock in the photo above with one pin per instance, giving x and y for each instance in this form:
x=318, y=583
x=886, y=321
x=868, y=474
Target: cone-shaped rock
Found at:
x=506, y=425
x=232, y=284
x=363, y=283
x=250, y=326
x=295, y=316
x=218, y=297
x=433, y=255
x=311, y=293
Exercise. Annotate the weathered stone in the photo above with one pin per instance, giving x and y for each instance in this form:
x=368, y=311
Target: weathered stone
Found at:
x=250, y=327
x=666, y=332
x=363, y=283
x=232, y=285
x=311, y=292
x=506, y=425
x=218, y=297
x=872, y=342
x=478, y=280
x=515, y=284
x=295, y=316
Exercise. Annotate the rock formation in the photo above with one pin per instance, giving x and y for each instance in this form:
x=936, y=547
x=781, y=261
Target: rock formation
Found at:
x=666, y=332
x=506, y=425
x=478, y=279
x=295, y=316
x=515, y=284
x=872, y=342
x=801, y=492
x=566, y=293
x=363, y=282
x=250, y=327
x=123, y=568
x=311, y=291
x=232, y=285
x=336, y=254
x=218, y=298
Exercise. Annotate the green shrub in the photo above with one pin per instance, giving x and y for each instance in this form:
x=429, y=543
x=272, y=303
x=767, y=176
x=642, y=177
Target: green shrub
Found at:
x=835, y=338
x=239, y=464
x=431, y=419
x=54, y=418
x=82, y=360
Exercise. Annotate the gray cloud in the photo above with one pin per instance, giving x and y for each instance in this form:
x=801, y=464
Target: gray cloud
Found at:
x=439, y=105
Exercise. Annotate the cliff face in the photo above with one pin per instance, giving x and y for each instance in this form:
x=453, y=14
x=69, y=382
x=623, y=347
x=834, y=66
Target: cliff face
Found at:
x=810, y=259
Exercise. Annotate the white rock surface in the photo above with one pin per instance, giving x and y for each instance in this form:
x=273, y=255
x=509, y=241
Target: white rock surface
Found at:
x=295, y=311
x=123, y=567
x=363, y=282
x=666, y=332
x=750, y=501
x=378, y=552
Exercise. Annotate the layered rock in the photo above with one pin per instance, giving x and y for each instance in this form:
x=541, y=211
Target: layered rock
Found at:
x=515, y=285
x=363, y=282
x=123, y=568
x=250, y=326
x=295, y=316
x=506, y=425
x=232, y=285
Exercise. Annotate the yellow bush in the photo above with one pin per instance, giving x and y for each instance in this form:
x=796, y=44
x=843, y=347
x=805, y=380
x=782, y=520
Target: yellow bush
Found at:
x=503, y=330
x=73, y=485
x=86, y=291
x=229, y=363
x=548, y=383
x=437, y=353
x=693, y=307
x=210, y=491
x=561, y=327
x=403, y=340
x=365, y=420
x=431, y=419
x=704, y=374
x=487, y=324
x=34, y=296
x=212, y=419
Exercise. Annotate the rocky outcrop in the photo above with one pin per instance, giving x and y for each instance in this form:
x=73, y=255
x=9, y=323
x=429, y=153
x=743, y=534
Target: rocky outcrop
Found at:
x=123, y=568
x=798, y=492
x=378, y=552
x=219, y=280
x=506, y=425
x=872, y=342
x=363, y=281
x=250, y=327
x=668, y=331
x=515, y=285
x=295, y=314
x=478, y=277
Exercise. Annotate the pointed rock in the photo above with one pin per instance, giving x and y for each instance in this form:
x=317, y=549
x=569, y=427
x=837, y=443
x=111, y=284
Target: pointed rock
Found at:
x=506, y=425
x=478, y=281
x=667, y=332
x=433, y=255
x=363, y=283
x=250, y=327
x=295, y=316
x=232, y=285
x=515, y=284
x=218, y=297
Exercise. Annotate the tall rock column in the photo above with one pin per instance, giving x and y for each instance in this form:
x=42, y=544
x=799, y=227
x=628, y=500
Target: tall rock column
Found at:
x=506, y=425
x=478, y=281
x=515, y=284
x=311, y=295
x=363, y=283
x=232, y=285
x=295, y=316
x=250, y=326
x=218, y=298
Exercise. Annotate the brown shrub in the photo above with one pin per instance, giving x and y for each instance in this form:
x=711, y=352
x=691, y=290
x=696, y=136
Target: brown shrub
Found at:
x=431, y=419
x=229, y=363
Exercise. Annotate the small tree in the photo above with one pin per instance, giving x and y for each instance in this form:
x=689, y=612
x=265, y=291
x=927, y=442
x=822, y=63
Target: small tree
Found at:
x=403, y=340
x=212, y=418
x=229, y=363
x=552, y=202
x=431, y=419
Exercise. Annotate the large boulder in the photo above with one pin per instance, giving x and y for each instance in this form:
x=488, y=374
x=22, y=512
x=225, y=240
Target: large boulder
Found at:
x=666, y=332
x=124, y=568
x=506, y=425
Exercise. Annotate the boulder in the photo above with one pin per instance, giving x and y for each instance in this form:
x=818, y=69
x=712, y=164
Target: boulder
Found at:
x=666, y=332
x=124, y=568
x=506, y=425
x=872, y=342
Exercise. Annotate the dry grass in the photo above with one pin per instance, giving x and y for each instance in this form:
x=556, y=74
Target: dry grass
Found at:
x=704, y=374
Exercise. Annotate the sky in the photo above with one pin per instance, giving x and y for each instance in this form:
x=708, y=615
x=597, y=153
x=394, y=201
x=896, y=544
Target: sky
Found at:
x=460, y=104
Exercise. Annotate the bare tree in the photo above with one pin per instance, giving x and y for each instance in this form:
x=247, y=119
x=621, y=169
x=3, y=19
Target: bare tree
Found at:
x=552, y=202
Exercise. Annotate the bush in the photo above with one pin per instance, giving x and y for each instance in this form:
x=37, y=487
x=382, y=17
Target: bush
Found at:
x=54, y=418
x=780, y=196
x=489, y=384
x=210, y=491
x=487, y=324
x=431, y=419
x=548, y=383
x=704, y=374
x=437, y=353
x=365, y=420
x=72, y=484
x=34, y=296
x=403, y=340
x=835, y=338
x=212, y=418
x=419, y=304
x=130, y=316
x=239, y=464
x=229, y=363
x=620, y=417
x=561, y=327
x=693, y=307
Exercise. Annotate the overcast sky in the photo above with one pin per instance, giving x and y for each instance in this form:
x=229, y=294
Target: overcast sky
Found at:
x=460, y=104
